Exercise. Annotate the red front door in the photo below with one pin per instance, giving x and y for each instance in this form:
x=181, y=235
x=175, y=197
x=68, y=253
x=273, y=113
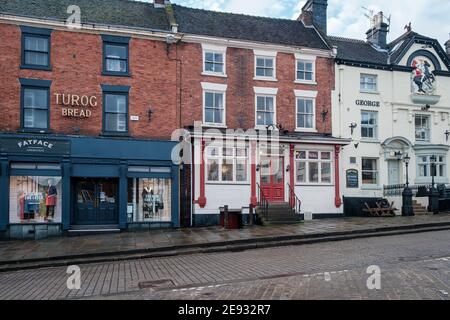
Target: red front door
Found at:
x=272, y=178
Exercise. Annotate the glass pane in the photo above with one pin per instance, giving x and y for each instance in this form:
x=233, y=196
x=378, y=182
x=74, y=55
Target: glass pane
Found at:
x=218, y=58
x=218, y=116
x=326, y=155
x=269, y=63
x=35, y=118
x=369, y=177
x=260, y=72
x=228, y=152
x=36, y=58
x=35, y=98
x=301, y=121
x=269, y=104
x=313, y=172
x=209, y=57
x=301, y=106
x=301, y=172
x=309, y=121
x=209, y=66
x=213, y=170
x=308, y=76
x=260, y=62
x=309, y=67
x=209, y=99
x=116, y=65
x=36, y=43
x=326, y=172
x=115, y=122
x=261, y=103
x=218, y=68
x=209, y=115
x=300, y=155
x=115, y=51
x=241, y=170
x=313, y=155
x=115, y=103
x=227, y=170
x=35, y=199
x=269, y=72
x=218, y=99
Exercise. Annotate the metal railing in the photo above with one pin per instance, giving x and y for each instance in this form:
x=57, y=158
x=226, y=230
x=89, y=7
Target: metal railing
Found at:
x=294, y=200
x=263, y=202
x=396, y=190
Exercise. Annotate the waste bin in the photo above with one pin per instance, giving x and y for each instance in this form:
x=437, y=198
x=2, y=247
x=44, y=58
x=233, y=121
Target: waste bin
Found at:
x=234, y=220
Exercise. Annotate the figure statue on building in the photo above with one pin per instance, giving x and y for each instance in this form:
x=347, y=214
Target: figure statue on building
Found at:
x=423, y=79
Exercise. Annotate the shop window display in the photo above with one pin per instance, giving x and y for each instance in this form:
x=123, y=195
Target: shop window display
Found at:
x=149, y=200
x=35, y=199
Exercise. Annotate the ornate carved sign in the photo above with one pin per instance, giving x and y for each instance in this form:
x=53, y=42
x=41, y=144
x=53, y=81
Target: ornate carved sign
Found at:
x=423, y=79
x=352, y=179
x=75, y=106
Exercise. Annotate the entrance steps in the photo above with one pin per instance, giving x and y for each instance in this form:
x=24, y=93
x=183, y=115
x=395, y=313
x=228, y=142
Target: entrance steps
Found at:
x=419, y=210
x=92, y=230
x=279, y=213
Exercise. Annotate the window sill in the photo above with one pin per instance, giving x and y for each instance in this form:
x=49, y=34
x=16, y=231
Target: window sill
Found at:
x=300, y=130
x=265, y=79
x=212, y=183
x=314, y=185
x=31, y=67
x=306, y=82
x=115, y=134
x=264, y=128
x=368, y=140
x=214, y=125
x=371, y=187
x=30, y=130
x=212, y=74
x=116, y=74
x=369, y=92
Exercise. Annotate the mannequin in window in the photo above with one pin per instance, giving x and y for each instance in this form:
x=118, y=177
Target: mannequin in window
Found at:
x=147, y=196
x=50, y=201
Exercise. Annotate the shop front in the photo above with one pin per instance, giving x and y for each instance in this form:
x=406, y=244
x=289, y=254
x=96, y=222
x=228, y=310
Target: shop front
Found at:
x=51, y=185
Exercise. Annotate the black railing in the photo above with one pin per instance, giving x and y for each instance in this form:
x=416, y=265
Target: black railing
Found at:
x=263, y=202
x=294, y=201
x=396, y=190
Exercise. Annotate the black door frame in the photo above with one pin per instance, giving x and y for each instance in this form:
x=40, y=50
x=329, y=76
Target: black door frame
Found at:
x=96, y=183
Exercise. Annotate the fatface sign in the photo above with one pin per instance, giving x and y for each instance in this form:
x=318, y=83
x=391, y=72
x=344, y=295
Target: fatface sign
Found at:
x=76, y=106
x=35, y=146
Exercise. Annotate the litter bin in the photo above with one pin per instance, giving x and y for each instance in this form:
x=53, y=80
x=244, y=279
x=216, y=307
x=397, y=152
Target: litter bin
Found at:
x=231, y=218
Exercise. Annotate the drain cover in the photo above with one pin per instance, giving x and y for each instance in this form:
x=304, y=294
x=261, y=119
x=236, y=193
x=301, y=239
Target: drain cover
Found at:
x=164, y=283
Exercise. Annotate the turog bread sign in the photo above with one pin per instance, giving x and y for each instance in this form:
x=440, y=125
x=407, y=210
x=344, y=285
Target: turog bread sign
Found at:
x=76, y=106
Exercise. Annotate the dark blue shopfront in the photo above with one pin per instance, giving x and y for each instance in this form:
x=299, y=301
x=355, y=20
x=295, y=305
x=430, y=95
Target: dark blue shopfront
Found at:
x=53, y=184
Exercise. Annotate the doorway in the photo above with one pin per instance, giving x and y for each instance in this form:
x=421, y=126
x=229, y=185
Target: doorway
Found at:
x=393, y=172
x=96, y=201
x=272, y=178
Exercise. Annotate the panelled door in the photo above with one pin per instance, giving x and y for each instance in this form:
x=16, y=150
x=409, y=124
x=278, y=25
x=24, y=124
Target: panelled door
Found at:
x=272, y=178
x=394, y=172
x=96, y=202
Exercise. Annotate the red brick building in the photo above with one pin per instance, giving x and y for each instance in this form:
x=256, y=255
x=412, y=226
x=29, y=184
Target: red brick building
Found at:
x=106, y=83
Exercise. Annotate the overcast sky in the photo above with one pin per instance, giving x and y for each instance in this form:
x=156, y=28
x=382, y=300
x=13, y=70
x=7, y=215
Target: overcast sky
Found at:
x=347, y=17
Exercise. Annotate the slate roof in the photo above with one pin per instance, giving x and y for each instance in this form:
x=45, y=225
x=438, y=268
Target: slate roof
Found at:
x=243, y=27
x=363, y=52
x=358, y=51
x=124, y=13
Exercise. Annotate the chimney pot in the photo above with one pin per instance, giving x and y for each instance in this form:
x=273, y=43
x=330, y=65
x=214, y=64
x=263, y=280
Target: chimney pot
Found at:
x=377, y=35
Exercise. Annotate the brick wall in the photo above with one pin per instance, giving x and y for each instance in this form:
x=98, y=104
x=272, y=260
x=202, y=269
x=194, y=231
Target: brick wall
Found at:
x=76, y=60
x=240, y=100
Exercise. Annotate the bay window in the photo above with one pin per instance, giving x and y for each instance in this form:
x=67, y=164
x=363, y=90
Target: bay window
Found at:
x=424, y=166
x=227, y=164
x=313, y=167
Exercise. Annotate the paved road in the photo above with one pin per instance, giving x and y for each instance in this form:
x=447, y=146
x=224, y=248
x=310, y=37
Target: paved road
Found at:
x=413, y=266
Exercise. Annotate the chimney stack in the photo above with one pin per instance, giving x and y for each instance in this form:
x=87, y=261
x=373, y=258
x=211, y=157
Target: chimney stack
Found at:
x=160, y=3
x=314, y=12
x=377, y=35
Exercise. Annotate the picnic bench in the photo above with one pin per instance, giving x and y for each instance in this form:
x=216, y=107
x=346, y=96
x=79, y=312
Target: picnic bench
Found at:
x=381, y=208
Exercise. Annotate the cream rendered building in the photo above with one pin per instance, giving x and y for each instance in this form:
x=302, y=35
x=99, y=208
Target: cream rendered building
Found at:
x=391, y=99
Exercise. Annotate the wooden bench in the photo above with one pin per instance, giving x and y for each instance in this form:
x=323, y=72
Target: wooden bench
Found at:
x=380, y=211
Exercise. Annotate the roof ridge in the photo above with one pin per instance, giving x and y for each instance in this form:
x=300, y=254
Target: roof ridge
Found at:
x=235, y=14
x=347, y=39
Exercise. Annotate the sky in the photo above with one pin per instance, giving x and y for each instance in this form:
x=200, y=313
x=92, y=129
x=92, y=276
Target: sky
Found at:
x=347, y=17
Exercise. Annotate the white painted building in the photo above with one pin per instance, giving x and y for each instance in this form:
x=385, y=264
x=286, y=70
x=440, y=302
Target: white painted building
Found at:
x=391, y=99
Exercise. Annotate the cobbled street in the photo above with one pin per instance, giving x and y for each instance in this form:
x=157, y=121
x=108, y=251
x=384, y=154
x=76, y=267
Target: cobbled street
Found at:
x=415, y=266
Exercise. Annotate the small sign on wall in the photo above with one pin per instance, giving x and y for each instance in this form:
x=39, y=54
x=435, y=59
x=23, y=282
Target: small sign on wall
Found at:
x=134, y=118
x=352, y=179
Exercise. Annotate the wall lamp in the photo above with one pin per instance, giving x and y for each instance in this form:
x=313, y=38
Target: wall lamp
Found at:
x=324, y=115
x=288, y=168
x=258, y=168
x=353, y=126
x=150, y=114
x=447, y=134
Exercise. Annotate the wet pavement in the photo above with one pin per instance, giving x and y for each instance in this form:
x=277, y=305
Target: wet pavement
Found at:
x=11, y=251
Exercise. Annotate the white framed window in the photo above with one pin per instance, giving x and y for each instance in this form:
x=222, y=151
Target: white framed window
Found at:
x=305, y=71
x=227, y=164
x=313, y=167
x=265, y=106
x=214, y=60
x=214, y=104
x=369, y=125
x=368, y=83
x=305, y=110
x=424, y=166
x=370, y=171
x=265, y=65
x=422, y=126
